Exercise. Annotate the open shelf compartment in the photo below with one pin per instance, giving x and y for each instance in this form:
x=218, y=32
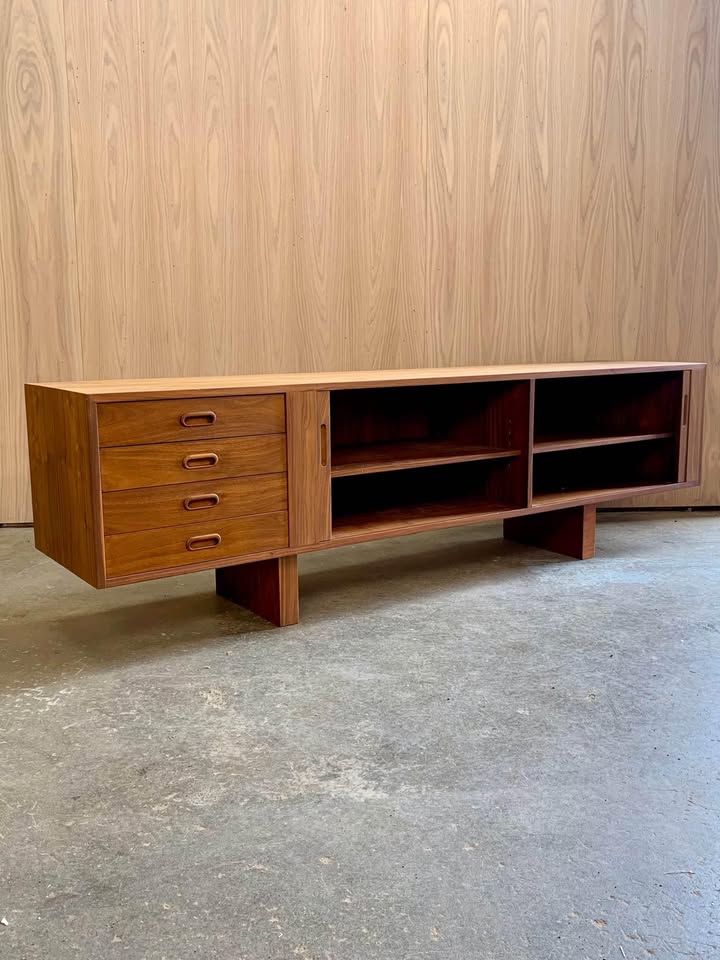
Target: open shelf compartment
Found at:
x=408, y=456
x=582, y=412
x=568, y=475
x=395, y=428
x=380, y=502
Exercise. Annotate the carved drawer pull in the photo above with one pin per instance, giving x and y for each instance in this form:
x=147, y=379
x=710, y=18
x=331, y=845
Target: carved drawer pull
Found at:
x=206, y=542
x=197, y=461
x=202, y=419
x=202, y=501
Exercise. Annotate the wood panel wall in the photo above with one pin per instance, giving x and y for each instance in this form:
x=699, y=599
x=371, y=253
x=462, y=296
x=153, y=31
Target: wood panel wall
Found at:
x=213, y=187
x=39, y=308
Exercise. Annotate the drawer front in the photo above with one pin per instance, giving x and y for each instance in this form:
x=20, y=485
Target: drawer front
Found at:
x=129, y=554
x=152, y=464
x=201, y=418
x=172, y=504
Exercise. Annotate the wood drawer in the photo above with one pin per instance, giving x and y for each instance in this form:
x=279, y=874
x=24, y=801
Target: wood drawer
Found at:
x=176, y=503
x=136, y=553
x=152, y=464
x=197, y=418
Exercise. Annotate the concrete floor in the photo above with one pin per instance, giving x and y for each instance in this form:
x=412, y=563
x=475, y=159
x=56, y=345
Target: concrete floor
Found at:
x=468, y=749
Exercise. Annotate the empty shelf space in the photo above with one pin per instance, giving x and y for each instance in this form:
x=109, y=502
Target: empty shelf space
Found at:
x=426, y=497
x=632, y=406
x=604, y=471
x=385, y=520
x=401, y=455
x=552, y=444
x=375, y=431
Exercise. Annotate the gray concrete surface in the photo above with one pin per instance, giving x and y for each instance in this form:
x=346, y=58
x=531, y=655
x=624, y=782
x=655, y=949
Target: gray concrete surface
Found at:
x=468, y=749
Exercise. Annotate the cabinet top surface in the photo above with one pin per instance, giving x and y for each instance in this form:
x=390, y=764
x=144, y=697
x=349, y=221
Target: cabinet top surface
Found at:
x=106, y=390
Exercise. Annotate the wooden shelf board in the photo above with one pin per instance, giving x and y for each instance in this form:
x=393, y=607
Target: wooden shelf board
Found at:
x=387, y=519
x=601, y=493
x=552, y=444
x=383, y=457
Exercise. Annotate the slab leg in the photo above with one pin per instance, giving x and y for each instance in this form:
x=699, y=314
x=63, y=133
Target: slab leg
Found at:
x=570, y=531
x=267, y=587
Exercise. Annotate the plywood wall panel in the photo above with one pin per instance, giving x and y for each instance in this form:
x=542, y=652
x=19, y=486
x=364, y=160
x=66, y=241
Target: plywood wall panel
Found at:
x=574, y=187
x=497, y=133
x=359, y=188
x=267, y=162
x=682, y=309
x=102, y=56
x=275, y=185
x=251, y=179
x=40, y=335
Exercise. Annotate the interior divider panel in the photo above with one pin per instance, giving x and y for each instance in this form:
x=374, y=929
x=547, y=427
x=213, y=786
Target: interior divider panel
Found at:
x=212, y=540
x=125, y=511
x=149, y=465
x=198, y=418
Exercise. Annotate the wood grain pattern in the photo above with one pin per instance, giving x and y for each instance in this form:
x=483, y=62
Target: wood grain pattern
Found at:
x=251, y=176
x=375, y=497
x=598, y=495
x=570, y=532
x=38, y=283
x=252, y=522
x=62, y=435
x=696, y=426
x=574, y=186
x=308, y=448
x=682, y=429
x=358, y=140
x=108, y=390
x=172, y=504
x=404, y=455
x=397, y=521
x=267, y=587
x=154, y=464
x=166, y=420
x=580, y=443
x=103, y=50
x=313, y=185
x=169, y=547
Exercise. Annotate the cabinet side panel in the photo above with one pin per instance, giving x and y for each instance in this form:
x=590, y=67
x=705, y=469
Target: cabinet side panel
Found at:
x=308, y=438
x=65, y=481
x=696, y=415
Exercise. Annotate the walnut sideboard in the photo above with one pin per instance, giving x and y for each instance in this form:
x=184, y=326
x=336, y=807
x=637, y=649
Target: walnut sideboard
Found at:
x=138, y=479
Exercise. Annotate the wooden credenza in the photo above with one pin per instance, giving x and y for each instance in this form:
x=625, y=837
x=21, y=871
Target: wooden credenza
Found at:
x=138, y=479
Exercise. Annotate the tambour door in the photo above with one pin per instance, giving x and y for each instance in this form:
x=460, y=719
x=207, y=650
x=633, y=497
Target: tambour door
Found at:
x=308, y=437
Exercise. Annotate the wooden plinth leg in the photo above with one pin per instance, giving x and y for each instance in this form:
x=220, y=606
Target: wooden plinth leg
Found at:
x=267, y=587
x=570, y=531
